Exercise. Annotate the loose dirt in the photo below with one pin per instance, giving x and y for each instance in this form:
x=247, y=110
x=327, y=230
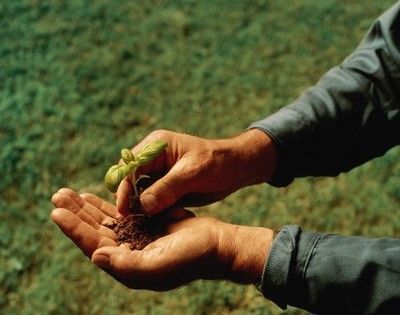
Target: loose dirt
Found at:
x=137, y=230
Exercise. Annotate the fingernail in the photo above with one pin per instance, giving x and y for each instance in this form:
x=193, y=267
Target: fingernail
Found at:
x=101, y=260
x=149, y=203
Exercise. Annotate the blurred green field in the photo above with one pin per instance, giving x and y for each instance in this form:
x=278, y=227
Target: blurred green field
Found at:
x=81, y=79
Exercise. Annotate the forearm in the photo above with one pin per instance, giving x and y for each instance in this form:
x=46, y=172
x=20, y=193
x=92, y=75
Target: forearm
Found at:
x=351, y=116
x=332, y=274
x=254, y=154
x=242, y=252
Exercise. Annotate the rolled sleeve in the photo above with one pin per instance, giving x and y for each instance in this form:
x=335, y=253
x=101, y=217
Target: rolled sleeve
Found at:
x=333, y=274
x=349, y=117
x=281, y=266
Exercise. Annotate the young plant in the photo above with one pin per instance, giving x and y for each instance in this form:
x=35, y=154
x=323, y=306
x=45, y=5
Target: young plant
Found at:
x=117, y=173
x=137, y=230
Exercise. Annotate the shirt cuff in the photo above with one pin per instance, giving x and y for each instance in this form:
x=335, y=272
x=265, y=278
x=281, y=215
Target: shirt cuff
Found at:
x=274, y=127
x=286, y=265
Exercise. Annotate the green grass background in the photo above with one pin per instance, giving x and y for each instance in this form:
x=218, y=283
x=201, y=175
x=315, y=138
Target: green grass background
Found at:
x=81, y=79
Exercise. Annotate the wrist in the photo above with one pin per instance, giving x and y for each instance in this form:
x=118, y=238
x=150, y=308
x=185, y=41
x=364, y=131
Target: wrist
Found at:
x=257, y=157
x=243, y=251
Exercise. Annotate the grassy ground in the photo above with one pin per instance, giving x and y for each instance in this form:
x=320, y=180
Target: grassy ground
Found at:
x=80, y=79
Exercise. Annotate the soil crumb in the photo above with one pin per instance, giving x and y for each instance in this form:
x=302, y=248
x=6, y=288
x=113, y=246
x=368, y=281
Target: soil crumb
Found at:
x=137, y=230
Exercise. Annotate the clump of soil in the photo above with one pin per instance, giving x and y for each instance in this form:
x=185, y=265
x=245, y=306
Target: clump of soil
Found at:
x=137, y=230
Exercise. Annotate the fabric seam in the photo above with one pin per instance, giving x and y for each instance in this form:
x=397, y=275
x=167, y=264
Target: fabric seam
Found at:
x=303, y=272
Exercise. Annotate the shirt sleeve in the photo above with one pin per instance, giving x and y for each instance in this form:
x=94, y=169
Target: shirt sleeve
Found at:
x=332, y=274
x=349, y=117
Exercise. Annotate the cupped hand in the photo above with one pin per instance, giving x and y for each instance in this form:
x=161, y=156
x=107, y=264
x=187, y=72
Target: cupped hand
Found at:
x=194, y=248
x=197, y=171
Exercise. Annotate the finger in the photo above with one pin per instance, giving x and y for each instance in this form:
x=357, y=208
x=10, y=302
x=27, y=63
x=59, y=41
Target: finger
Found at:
x=126, y=266
x=153, y=269
x=105, y=207
x=102, y=256
x=68, y=199
x=159, y=163
x=95, y=212
x=61, y=200
x=166, y=191
x=87, y=238
x=125, y=190
x=117, y=261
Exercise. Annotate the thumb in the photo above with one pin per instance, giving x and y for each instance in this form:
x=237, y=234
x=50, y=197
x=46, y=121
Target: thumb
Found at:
x=125, y=190
x=111, y=258
x=166, y=191
x=102, y=257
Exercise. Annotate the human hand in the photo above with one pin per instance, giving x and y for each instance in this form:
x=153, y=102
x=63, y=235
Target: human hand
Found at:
x=194, y=248
x=199, y=171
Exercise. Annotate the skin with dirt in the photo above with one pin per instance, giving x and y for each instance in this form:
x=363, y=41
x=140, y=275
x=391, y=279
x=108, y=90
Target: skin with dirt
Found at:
x=137, y=230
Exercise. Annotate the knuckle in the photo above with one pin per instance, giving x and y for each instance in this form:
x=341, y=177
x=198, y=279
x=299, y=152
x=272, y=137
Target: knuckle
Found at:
x=201, y=167
x=66, y=191
x=56, y=199
x=171, y=192
x=158, y=134
x=118, y=263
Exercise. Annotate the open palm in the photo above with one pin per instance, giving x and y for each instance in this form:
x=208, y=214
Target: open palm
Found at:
x=187, y=252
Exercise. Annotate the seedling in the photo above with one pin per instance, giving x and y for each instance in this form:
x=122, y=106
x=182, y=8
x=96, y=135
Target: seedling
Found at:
x=117, y=173
x=137, y=230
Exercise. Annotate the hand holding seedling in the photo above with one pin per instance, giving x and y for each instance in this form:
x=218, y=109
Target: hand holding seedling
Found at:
x=130, y=163
x=199, y=171
x=193, y=248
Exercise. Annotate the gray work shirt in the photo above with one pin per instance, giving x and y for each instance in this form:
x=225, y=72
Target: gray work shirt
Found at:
x=349, y=117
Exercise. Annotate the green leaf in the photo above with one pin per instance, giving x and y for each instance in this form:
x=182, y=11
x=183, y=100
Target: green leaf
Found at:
x=150, y=151
x=127, y=155
x=117, y=173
